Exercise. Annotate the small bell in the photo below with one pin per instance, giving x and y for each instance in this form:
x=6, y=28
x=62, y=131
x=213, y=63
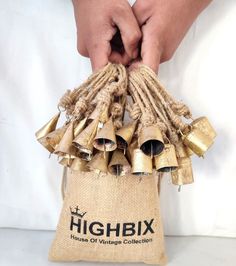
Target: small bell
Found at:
x=84, y=141
x=119, y=165
x=184, y=174
x=65, y=161
x=45, y=130
x=99, y=162
x=79, y=127
x=166, y=161
x=150, y=140
x=133, y=145
x=78, y=165
x=105, y=139
x=141, y=163
x=124, y=135
x=101, y=113
x=197, y=141
x=65, y=145
x=55, y=136
x=203, y=124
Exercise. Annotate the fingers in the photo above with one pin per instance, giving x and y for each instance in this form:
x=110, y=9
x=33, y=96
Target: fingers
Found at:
x=150, y=49
x=129, y=30
x=118, y=58
x=99, y=53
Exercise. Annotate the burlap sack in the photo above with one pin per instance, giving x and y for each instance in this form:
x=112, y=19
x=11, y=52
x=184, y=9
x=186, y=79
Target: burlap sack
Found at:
x=111, y=219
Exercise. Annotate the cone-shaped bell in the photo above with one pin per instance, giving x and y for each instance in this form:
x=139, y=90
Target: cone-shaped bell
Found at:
x=65, y=145
x=79, y=127
x=102, y=114
x=141, y=163
x=197, y=141
x=150, y=140
x=105, y=139
x=124, y=135
x=133, y=145
x=55, y=137
x=66, y=161
x=205, y=126
x=45, y=130
x=78, y=165
x=84, y=141
x=184, y=174
x=99, y=162
x=166, y=161
x=119, y=165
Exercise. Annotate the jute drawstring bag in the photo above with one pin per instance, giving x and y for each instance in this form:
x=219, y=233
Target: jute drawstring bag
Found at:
x=110, y=219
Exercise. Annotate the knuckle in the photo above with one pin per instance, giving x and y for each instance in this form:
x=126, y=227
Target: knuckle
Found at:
x=134, y=37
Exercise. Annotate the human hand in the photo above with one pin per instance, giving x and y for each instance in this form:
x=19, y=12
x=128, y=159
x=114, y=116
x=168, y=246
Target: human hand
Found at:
x=164, y=24
x=107, y=30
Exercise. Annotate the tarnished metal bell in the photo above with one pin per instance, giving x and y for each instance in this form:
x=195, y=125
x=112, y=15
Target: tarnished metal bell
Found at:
x=78, y=165
x=65, y=145
x=203, y=124
x=55, y=136
x=150, y=140
x=124, y=135
x=182, y=150
x=99, y=162
x=119, y=165
x=45, y=130
x=141, y=163
x=197, y=141
x=65, y=161
x=84, y=141
x=184, y=174
x=105, y=139
x=133, y=145
x=80, y=126
x=166, y=161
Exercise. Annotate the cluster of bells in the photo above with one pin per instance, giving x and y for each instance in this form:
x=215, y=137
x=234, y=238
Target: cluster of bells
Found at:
x=89, y=145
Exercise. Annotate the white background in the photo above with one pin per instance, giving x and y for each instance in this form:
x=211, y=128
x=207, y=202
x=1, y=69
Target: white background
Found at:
x=39, y=61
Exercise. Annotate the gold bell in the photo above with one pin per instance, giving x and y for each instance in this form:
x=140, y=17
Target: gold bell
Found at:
x=79, y=127
x=141, y=163
x=45, y=130
x=55, y=136
x=65, y=145
x=105, y=139
x=184, y=174
x=166, y=161
x=78, y=165
x=203, y=124
x=133, y=145
x=119, y=165
x=124, y=135
x=150, y=140
x=197, y=141
x=84, y=141
x=66, y=161
x=99, y=162
x=101, y=113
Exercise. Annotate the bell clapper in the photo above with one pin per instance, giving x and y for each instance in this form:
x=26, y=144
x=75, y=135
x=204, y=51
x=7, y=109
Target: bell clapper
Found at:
x=151, y=150
x=49, y=156
x=179, y=189
x=104, y=152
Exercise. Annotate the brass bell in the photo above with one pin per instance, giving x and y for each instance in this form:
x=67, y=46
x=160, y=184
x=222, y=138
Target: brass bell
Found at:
x=183, y=150
x=184, y=174
x=105, y=139
x=55, y=136
x=65, y=161
x=45, y=130
x=79, y=127
x=99, y=162
x=141, y=163
x=65, y=145
x=101, y=112
x=84, y=141
x=119, y=165
x=133, y=145
x=197, y=141
x=166, y=161
x=124, y=135
x=78, y=165
x=203, y=124
x=150, y=140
